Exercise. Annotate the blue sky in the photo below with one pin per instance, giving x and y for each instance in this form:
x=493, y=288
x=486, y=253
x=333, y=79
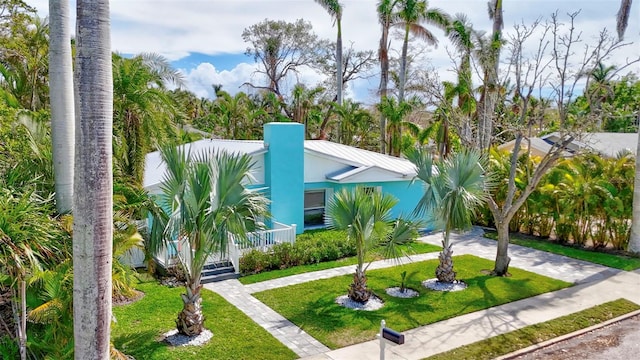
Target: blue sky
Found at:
x=203, y=37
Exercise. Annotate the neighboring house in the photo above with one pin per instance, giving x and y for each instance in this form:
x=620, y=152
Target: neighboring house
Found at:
x=300, y=176
x=605, y=144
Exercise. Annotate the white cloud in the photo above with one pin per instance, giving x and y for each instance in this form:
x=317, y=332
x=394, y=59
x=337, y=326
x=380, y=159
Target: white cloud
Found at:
x=201, y=78
x=176, y=28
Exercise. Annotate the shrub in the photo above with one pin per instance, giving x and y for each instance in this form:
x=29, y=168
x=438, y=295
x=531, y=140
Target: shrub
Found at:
x=311, y=247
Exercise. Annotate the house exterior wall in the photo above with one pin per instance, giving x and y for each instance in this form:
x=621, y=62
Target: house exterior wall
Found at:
x=284, y=172
x=408, y=195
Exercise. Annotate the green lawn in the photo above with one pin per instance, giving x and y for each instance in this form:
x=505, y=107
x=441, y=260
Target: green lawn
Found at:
x=611, y=260
x=235, y=336
x=312, y=305
x=416, y=248
x=530, y=335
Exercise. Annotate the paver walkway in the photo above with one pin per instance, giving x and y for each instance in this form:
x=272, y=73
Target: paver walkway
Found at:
x=595, y=284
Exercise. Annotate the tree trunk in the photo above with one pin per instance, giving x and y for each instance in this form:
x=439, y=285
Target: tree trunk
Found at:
x=634, y=241
x=444, y=271
x=93, y=185
x=190, y=320
x=62, y=108
x=358, y=289
x=22, y=324
x=502, y=258
x=383, y=56
x=403, y=67
x=339, y=62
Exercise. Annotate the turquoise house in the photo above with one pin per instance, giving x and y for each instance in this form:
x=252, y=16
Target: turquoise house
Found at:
x=300, y=176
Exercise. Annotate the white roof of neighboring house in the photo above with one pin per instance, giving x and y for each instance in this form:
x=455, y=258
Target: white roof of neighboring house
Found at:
x=154, y=166
x=610, y=144
x=360, y=159
x=606, y=144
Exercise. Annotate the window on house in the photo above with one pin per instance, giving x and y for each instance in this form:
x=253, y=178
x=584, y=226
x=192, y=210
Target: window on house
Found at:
x=314, y=205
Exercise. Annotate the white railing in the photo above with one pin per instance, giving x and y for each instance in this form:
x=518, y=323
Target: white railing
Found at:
x=170, y=256
x=261, y=240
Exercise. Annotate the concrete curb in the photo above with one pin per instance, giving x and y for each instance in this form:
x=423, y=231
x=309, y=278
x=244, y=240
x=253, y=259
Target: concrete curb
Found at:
x=558, y=339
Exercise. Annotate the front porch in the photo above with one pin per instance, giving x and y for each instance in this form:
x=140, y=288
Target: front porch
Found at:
x=262, y=240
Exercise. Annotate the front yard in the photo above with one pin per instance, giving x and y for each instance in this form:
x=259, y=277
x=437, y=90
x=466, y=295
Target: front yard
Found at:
x=312, y=305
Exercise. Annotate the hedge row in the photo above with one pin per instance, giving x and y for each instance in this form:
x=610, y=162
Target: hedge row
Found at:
x=310, y=248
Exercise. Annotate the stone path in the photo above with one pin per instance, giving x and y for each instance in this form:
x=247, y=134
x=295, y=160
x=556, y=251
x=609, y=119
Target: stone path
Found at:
x=595, y=284
x=282, y=329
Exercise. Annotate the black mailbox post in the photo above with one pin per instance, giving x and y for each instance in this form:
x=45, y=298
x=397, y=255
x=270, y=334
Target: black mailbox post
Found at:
x=387, y=334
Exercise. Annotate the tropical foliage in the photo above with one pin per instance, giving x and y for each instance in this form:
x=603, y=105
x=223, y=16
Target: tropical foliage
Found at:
x=454, y=188
x=205, y=203
x=367, y=219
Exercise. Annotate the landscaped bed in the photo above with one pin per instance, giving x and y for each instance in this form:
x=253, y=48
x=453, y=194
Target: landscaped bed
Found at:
x=235, y=336
x=312, y=305
x=414, y=248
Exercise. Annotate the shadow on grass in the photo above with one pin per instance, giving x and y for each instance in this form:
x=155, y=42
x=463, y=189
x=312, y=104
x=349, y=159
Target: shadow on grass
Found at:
x=140, y=345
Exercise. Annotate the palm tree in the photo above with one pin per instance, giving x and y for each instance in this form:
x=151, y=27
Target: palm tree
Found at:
x=93, y=182
x=395, y=113
x=367, y=219
x=334, y=8
x=454, y=189
x=461, y=34
x=207, y=203
x=386, y=10
x=61, y=97
x=26, y=240
x=145, y=112
x=411, y=14
x=488, y=54
x=355, y=123
x=599, y=89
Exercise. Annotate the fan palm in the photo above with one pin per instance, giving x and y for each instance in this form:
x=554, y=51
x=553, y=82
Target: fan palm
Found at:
x=367, y=219
x=206, y=203
x=454, y=188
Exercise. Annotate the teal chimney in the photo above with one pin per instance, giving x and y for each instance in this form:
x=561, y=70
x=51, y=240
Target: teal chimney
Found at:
x=284, y=172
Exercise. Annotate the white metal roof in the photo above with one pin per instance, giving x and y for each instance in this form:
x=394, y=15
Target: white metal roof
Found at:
x=360, y=158
x=155, y=168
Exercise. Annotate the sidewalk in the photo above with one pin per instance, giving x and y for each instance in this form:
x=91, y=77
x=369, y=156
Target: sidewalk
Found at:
x=595, y=284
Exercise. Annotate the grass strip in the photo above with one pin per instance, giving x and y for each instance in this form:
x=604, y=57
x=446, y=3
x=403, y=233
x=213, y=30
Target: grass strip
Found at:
x=621, y=262
x=312, y=306
x=530, y=335
x=416, y=248
x=235, y=336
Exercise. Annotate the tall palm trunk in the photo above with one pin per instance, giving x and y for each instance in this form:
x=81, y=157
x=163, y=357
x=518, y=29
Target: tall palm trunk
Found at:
x=190, y=320
x=634, y=241
x=490, y=90
x=383, y=56
x=93, y=185
x=339, y=74
x=403, y=66
x=61, y=95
